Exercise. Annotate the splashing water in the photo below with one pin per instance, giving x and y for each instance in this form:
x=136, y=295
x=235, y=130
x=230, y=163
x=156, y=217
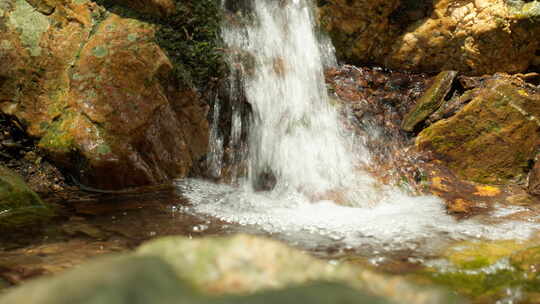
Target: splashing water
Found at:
x=296, y=140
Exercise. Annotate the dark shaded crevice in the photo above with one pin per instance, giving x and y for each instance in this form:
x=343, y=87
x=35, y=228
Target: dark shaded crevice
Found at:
x=409, y=12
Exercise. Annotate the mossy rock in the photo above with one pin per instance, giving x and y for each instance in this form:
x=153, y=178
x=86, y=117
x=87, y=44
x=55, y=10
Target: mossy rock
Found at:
x=431, y=101
x=487, y=270
x=494, y=138
x=19, y=206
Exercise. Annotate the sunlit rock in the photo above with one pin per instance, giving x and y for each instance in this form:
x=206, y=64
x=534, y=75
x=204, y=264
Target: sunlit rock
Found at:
x=474, y=37
x=494, y=137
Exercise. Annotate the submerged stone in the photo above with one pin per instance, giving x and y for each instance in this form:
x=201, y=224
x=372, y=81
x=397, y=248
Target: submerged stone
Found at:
x=494, y=137
x=19, y=206
x=431, y=101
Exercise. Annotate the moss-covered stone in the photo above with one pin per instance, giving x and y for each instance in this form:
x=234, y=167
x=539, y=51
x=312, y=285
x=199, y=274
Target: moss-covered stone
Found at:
x=19, y=206
x=493, y=138
x=432, y=100
x=488, y=272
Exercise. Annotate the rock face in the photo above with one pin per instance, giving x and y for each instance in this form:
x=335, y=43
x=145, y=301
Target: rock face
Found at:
x=19, y=206
x=471, y=36
x=96, y=89
x=494, y=137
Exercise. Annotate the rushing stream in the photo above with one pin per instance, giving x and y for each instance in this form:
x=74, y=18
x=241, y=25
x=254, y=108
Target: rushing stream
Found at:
x=304, y=180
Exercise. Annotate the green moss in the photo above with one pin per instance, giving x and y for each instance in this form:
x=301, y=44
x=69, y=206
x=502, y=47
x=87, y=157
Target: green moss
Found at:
x=104, y=149
x=57, y=138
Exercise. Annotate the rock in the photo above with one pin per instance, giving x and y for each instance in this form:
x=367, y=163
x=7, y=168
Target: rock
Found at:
x=431, y=101
x=143, y=280
x=116, y=280
x=534, y=180
x=19, y=206
x=494, y=137
x=97, y=91
x=474, y=36
x=246, y=264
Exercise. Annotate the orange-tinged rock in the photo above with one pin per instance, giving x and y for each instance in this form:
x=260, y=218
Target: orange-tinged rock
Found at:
x=95, y=89
x=472, y=36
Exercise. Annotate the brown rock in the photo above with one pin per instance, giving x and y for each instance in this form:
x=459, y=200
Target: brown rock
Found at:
x=473, y=36
x=95, y=88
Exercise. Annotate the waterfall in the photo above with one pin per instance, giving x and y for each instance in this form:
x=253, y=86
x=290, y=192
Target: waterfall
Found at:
x=298, y=171
x=295, y=142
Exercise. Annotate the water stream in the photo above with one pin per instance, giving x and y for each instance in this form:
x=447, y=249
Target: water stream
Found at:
x=303, y=179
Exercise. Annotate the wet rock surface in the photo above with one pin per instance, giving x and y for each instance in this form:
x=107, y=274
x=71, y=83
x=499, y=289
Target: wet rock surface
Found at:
x=474, y=37
x=431, y=101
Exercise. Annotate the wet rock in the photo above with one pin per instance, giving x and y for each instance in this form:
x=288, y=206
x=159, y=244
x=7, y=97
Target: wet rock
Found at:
x=19, y=206
x=489, y=272
x=474, y=37
x=97, y=92
x=245, y=264
x=431, y=101
x=494, y=137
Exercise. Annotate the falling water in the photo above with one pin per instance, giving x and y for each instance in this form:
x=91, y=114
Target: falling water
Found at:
x=297, y=151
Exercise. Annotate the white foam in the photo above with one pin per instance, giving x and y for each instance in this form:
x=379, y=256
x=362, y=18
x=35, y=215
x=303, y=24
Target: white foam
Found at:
x=398, y=222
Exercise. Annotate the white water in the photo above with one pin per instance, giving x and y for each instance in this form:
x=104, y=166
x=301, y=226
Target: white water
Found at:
x=295, y=135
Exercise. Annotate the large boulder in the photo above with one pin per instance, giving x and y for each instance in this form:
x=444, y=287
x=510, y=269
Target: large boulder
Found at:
x=471, y=36
x=494, y=138
x=96, y=90
x=247, y=264
x=227, y=270
x=19, y=206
